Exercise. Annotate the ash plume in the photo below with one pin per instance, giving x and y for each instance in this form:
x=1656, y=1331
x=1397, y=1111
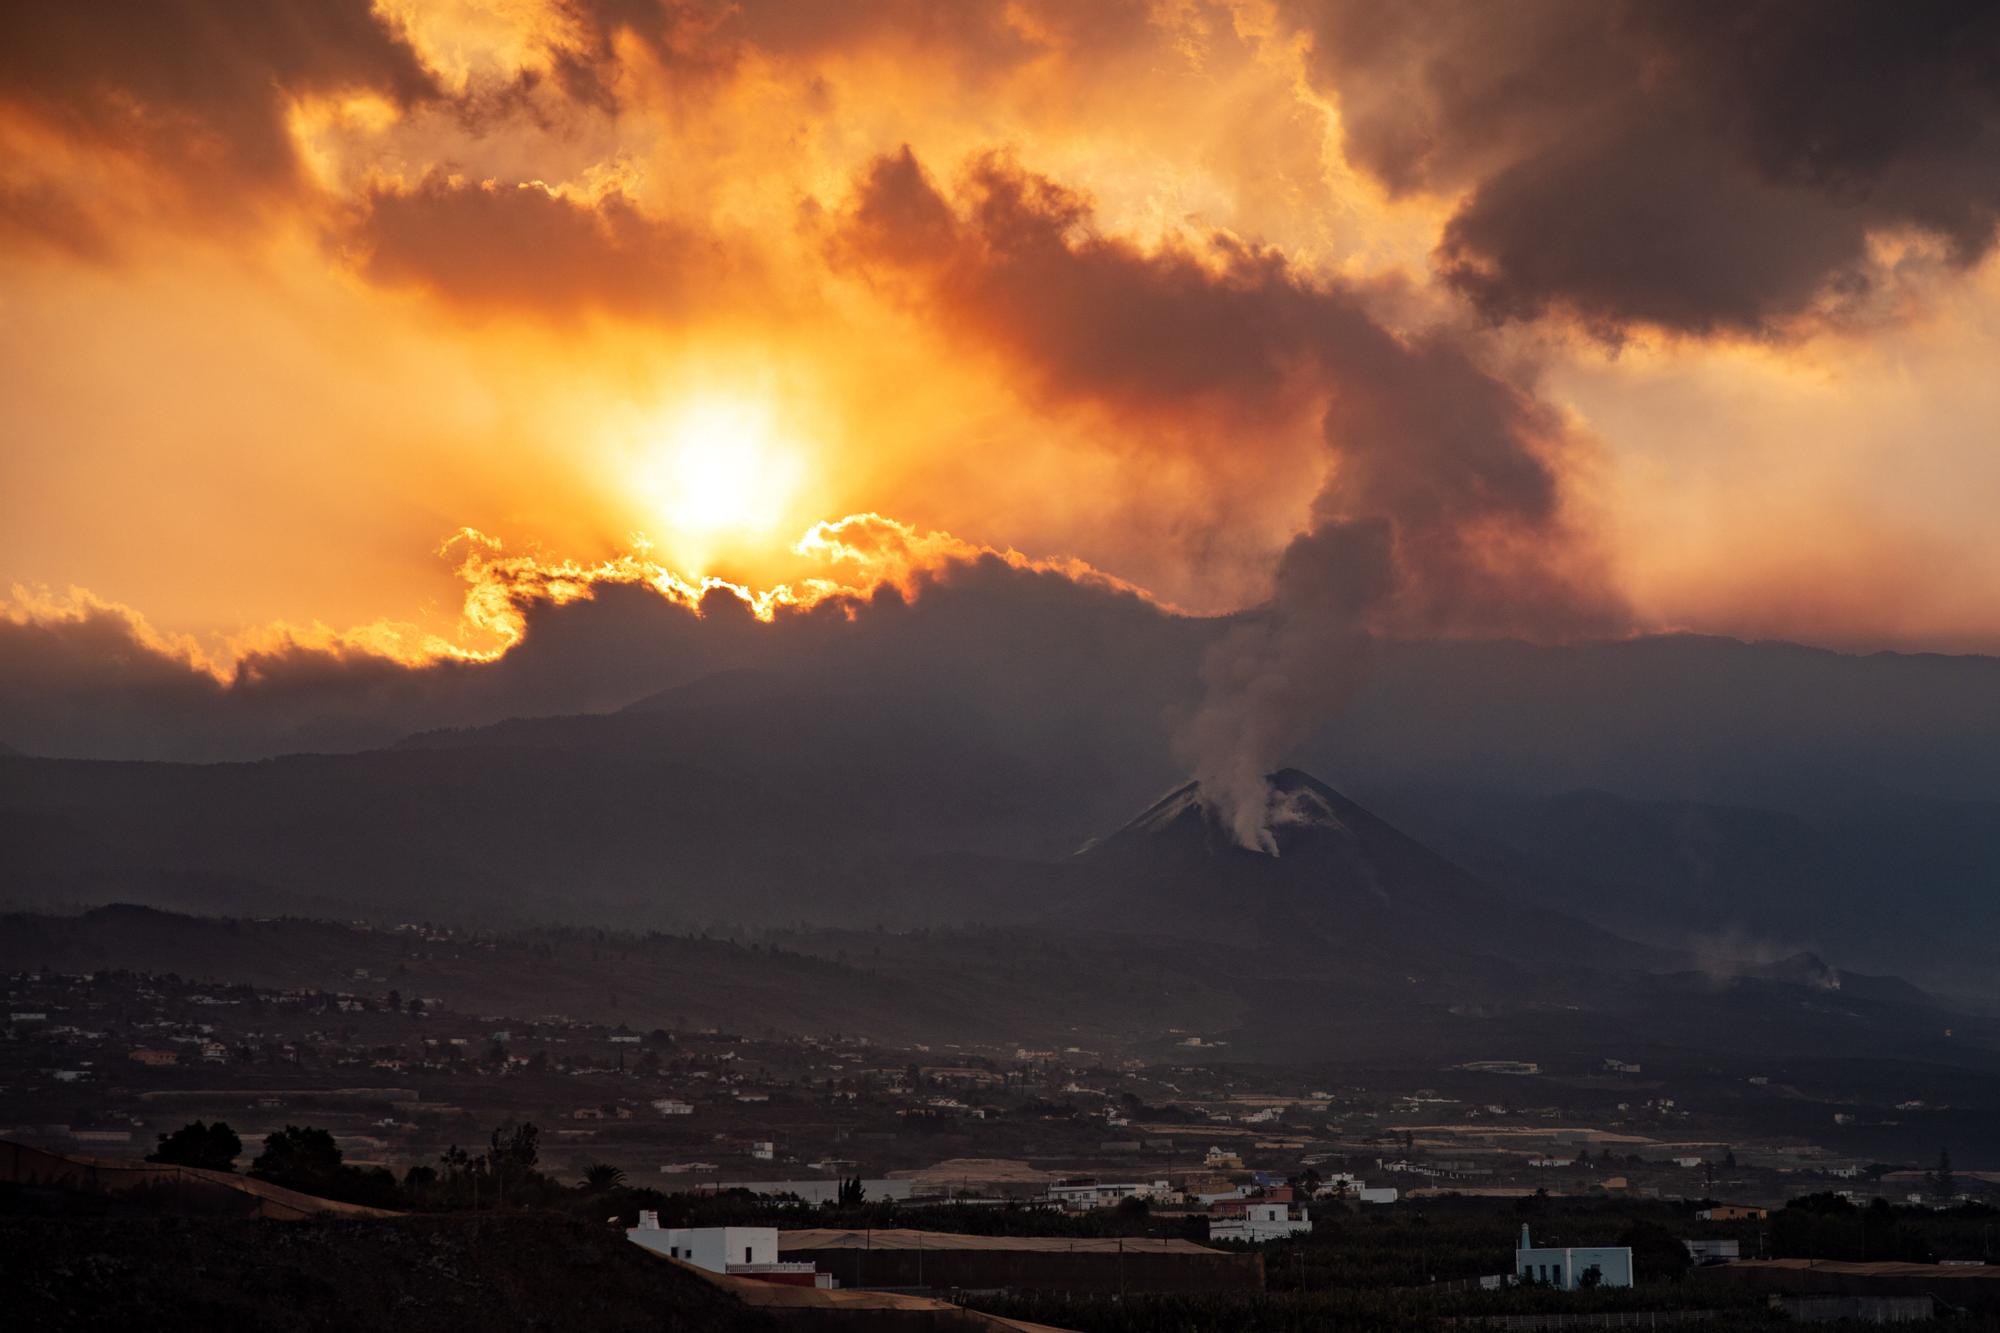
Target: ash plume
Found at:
x=1445, y=515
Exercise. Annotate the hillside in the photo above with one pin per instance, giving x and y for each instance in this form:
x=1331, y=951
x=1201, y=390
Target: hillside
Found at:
x=1342, y=879
x=861, y=791
x=1714, y=878
x=411, y=1275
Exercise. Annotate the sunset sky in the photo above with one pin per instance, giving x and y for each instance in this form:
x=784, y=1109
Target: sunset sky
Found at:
x=1554, y=320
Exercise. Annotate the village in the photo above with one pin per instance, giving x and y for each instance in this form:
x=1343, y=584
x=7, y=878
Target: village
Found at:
x=105, y=1063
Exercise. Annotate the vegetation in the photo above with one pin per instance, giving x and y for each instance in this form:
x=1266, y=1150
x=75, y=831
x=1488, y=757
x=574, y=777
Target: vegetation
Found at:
x=212, y=1147
x=308, y=1160
x=1379, y=1309
x=1943, y=1183
x=393, y=1275
x=1827, y=1226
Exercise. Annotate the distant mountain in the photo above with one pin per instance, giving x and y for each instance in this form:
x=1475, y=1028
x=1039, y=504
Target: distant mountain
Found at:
x=844, y=798
x=743, y=799
x=1889, y=884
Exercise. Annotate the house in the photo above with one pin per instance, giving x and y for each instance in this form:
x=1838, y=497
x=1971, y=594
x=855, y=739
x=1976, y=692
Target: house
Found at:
x=1733, y=1212
x=1080, y=1196
x=1713, y=1251
x=1260, y=1221
x=1218, y=1160
x=750, y=1252
x=668, y=1106
x=1572, y=1267
x=155, y=1058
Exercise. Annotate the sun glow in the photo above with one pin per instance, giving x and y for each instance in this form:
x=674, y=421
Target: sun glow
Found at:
x=718, y=468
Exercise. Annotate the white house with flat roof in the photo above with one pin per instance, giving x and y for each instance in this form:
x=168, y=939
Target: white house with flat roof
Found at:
x=740, y=1251
x=1081, y=1198
x=1572, y=1267
x=1259, y=1222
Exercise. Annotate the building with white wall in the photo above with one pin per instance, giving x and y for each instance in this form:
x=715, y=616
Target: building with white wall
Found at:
x=1259, y=1222
x=1081, y=1198
x=738, y=1251
x=1572, y=1267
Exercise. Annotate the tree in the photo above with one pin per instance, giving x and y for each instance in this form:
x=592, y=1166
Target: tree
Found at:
x=212, y=1147
x=851, y=1193
x=1944, y=1184
x=304, y=1159
x=511, y=1155
x=514, y=1146
x=602, y=1177
x=1656, y=1251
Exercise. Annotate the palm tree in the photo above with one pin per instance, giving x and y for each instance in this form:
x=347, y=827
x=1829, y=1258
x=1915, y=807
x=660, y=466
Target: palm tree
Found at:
x=601, y=1177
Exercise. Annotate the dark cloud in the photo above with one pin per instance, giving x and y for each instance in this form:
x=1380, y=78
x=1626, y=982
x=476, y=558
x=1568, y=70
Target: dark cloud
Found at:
x=1699, y=165
x=1018, y=269
x=490, y=246
x=201, y=83
x=1029, y=656
x=1463, y=468
x=37, y=213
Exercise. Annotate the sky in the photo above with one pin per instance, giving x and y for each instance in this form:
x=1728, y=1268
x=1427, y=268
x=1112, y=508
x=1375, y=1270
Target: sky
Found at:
x=342, y=333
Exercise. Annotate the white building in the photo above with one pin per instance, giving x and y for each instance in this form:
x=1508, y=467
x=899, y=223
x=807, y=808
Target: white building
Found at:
x=737, y=1251
x=1260, y=1222
x=668, y=1106
x=1713, y=1251
x=1571, y=1268
x=1082, y=1198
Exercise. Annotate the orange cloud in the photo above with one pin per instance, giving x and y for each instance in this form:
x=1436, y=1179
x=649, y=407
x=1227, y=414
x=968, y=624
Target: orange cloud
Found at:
x=1183, y=281
x=862, y=554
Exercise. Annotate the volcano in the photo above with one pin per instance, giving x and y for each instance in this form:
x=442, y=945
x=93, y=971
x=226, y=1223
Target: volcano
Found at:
x=1341, y=878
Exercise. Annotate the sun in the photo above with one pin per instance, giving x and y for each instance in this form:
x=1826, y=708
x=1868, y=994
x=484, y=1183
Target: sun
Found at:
x=718, y=467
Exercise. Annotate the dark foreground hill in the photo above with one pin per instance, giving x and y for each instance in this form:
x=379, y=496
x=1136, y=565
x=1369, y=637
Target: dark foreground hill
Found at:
x=409, y=1275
